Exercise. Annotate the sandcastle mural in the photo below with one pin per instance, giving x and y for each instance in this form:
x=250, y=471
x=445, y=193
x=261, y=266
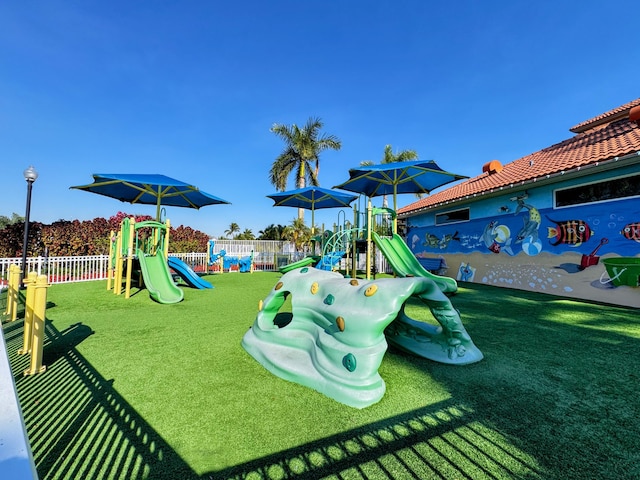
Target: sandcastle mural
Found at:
x=339, y=328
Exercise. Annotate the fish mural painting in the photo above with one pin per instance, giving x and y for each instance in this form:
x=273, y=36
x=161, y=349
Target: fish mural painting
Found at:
x=440, y=243
x=631, y=231
x=569, y=232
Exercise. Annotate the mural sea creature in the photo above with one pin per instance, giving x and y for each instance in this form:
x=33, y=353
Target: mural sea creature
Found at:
x=444, y=242
x=531, y=222
x=631, y=231
x=414, y=240
x=494, y=235
x=489, y=235
x=431, y=240
x=466, y=272
x=570, y=232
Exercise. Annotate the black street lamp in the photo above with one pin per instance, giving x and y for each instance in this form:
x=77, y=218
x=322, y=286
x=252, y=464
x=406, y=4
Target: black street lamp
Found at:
x=30, y=175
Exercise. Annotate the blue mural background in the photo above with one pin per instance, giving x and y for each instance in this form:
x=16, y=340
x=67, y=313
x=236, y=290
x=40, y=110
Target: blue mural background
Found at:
x=523, y=226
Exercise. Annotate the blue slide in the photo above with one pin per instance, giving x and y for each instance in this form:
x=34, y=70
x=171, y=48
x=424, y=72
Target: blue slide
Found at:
x=187, y=274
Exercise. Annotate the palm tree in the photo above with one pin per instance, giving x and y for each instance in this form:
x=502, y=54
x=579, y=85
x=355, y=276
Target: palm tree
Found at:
x=233, y=228
x=390, y=157
x=271, y=232
x=298, y=233
x=301, y=153
x=246, y=235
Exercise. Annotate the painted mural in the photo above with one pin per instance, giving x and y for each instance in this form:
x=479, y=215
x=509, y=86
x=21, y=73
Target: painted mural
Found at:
x=522, y=242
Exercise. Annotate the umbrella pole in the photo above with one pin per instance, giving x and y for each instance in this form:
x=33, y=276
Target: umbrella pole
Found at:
x=395, y=209
x=368, y=262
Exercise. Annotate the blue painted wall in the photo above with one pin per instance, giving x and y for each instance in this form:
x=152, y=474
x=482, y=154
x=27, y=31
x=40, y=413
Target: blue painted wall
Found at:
x=524, y=226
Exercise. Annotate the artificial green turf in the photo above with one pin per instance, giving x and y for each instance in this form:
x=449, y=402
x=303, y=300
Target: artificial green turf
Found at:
x=135, y=389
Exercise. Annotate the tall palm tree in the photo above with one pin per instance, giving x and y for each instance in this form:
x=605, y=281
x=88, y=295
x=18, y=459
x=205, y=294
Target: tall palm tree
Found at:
x=246, y=235
x=298, y=233
x=271, y=232
x=390, y=157
x=233, y=228
x=301, y=153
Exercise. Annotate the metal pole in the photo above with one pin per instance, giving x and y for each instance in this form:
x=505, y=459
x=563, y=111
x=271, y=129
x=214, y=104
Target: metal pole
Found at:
x=26, y=232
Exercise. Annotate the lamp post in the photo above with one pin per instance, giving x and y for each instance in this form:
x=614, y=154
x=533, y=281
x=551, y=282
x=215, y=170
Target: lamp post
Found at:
x=30, y=175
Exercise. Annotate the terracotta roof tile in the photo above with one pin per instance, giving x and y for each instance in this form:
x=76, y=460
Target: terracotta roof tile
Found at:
x=605, y=117
x=603, y=137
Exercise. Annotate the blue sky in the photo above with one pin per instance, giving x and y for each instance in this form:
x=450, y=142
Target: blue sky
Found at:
x=190, y=89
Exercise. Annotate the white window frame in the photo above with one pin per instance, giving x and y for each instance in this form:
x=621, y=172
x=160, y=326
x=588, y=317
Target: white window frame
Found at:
x=437, y=224
x=555, y=192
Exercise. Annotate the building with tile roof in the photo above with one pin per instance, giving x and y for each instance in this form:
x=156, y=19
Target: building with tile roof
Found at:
x=572, y=204
x=604, y=139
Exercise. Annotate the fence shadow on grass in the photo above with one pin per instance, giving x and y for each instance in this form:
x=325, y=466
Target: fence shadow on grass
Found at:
x=80, y=427
x=78, y=424
x=441, y=441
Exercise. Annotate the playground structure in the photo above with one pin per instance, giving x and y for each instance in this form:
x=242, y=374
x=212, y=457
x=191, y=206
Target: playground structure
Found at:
x=375, y=228
x=340, y=328
x=220, y=262
x=141, y=249
x=35, y=306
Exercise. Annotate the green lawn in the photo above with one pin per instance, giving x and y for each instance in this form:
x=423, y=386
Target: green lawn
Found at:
x=134, y=389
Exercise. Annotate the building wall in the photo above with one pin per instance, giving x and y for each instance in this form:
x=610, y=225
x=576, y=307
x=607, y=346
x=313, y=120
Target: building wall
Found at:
x=519, y=240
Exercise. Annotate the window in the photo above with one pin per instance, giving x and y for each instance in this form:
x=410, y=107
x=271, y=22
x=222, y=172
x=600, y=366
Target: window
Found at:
x=604, y=191
x=454, y=216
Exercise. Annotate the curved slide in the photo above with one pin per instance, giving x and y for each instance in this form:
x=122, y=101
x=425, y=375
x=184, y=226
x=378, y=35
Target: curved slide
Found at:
x=187, y=274
x=300, y=263
x=405, y=263
x=157, y=278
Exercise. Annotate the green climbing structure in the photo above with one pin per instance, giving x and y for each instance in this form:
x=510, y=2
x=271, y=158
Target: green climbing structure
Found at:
x=338, y=332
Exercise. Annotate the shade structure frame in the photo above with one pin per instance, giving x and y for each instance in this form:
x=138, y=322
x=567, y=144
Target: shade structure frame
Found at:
x=150, y=189
x=312, y=198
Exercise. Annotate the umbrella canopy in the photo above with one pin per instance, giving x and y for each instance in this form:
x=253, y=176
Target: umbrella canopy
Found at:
x=312, y=198
x=150, y=190
x=420, y=176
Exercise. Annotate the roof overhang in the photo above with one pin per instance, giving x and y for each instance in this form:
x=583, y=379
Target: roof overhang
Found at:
x=577, y=172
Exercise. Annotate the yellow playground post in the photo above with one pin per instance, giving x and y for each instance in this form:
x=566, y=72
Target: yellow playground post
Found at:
x=12, y=292
x=111, y=266
x=35, y=309
x=28, y=314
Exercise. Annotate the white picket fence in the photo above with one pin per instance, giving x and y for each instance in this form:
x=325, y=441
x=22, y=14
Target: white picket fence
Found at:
x=95, y=267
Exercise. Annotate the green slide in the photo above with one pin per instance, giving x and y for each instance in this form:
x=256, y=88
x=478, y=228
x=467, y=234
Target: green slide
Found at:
x=405, y=263
x=299, y=264
x=157, y=278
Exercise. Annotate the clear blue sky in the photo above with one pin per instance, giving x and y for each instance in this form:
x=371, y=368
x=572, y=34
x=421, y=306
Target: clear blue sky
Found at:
x=190, y=89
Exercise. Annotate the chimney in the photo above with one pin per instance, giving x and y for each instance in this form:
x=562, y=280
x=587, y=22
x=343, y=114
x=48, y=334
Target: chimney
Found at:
x=494, y=166
x=634, y=115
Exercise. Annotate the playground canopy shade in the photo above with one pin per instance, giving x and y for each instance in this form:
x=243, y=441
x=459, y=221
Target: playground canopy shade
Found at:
x=312, y=198
x=150, y=189
x=421, y=176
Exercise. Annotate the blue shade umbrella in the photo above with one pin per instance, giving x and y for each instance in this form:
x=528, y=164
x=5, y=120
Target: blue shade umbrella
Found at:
x=150, y=190
x=420, y=176
x=312, y=198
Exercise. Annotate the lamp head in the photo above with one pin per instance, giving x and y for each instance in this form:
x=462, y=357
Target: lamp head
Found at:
x=30, y=174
